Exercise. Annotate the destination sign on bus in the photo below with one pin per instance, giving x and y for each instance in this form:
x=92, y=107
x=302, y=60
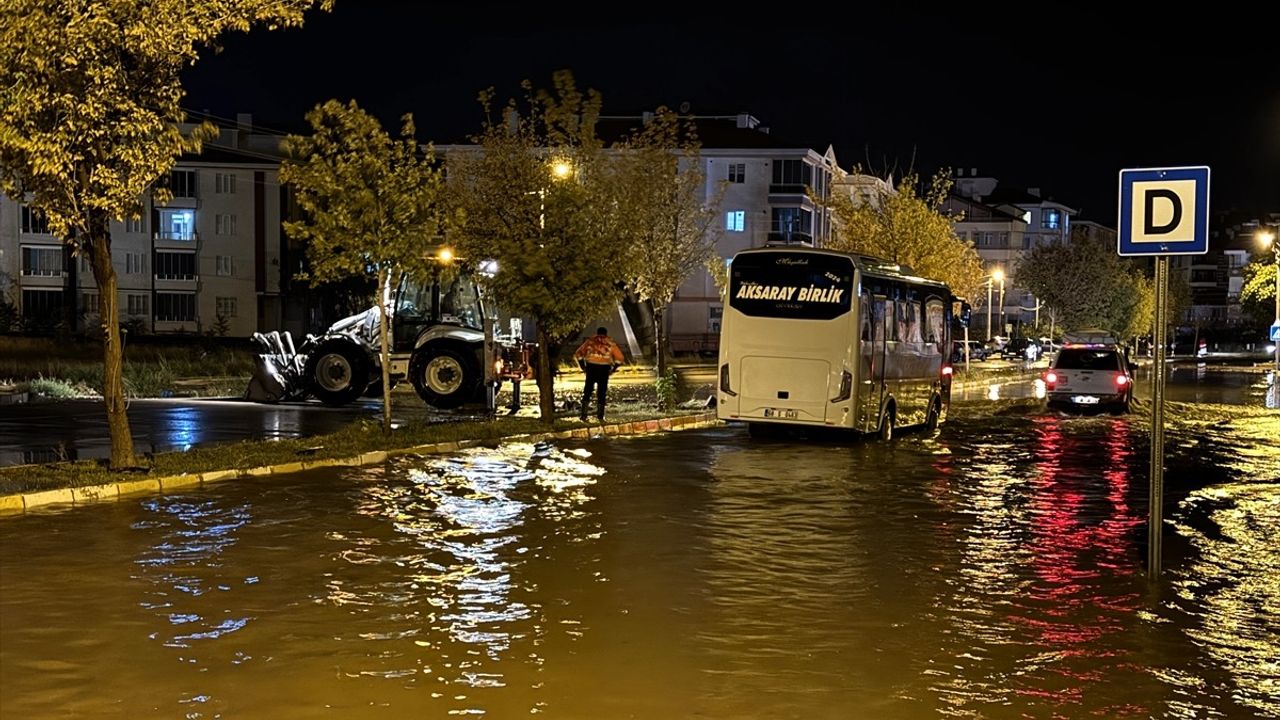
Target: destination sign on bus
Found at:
x=789, y=285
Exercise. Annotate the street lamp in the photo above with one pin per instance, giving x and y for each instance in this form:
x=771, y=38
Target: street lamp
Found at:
x=996, y=276
x=1268, y=239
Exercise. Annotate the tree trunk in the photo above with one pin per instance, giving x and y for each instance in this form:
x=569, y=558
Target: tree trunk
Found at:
x=546, y=391
x=660, y=334
x=384, y=351
x=99, y=248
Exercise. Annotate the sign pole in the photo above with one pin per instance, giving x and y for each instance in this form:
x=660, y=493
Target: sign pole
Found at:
x=1155, y=523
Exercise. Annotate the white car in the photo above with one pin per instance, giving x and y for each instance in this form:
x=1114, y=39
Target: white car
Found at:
x=1090, y=376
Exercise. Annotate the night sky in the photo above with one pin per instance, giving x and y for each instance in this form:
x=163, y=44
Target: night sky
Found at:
x=1049, y=97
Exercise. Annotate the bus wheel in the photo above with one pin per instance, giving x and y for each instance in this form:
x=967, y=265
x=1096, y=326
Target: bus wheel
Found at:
x=888, y=424
x=934, y=417
x=763, y=430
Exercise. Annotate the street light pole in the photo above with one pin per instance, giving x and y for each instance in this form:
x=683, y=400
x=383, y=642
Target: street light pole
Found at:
x=1002, y=303
x=990, y=282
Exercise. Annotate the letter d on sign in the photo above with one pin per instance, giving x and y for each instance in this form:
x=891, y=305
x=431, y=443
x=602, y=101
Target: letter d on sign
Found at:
x=1164, y=211
x=1150, y=227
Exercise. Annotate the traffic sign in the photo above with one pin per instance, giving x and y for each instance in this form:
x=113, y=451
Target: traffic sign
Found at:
x=1164, y=211
x=1275, y=331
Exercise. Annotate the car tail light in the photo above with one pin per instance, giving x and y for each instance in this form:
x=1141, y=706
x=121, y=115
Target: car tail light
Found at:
x=1122, y=380
x=724, y=380
x=1051, y=378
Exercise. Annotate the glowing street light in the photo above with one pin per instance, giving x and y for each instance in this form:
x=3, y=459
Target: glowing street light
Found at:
x=561, y=169
x=445, y=255
x=996, y=276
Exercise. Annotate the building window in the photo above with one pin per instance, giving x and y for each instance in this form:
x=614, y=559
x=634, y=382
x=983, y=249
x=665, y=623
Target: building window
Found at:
x=177, y=224
x=34, y=222
x=961, y=235
x=1002, y=239
x=224, y=224
x=135, y=263
x=175, y=307
x=735, y=220
x=789, y=220
x=792, y=172
x=41, y=261
x=42, y=306
x=737, y=172
x=89, y=303
x=182, y=183
x=1050, y=219
x=225, y=265
x=175, y=266
x=224, y=183
x=714, y=315
x=226, y=307
x=135, y=225
x=135, y=304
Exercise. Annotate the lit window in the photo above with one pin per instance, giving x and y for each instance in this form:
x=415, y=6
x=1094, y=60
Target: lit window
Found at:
x=735, y=220
x=1050, y=219
x=177, y=224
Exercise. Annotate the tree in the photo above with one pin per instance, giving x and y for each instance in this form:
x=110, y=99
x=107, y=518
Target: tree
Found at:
x=90, y=120
x=666, y=224
x=1088, y=285
x=908, y=228
x=370, y=204
x=534, y=196
x=1258, y=295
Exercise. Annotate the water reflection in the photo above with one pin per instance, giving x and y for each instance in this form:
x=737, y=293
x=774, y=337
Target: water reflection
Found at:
x=451, y=577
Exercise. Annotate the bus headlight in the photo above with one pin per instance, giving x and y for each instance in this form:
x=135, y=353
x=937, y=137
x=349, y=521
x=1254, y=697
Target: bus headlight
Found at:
x=846, y=387
x=724, y=380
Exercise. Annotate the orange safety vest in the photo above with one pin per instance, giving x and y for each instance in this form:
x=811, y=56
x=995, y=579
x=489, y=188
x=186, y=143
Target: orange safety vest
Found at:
x=599, y=350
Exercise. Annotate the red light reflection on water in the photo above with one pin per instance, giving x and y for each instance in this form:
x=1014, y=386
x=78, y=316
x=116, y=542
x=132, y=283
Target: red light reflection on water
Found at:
x=1081, y=548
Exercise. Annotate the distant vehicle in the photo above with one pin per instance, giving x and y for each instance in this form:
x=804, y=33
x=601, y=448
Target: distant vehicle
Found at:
x=437, y=338
x=977, y=352
x=1090, y=376
x=1021, y=349
x=826, y=339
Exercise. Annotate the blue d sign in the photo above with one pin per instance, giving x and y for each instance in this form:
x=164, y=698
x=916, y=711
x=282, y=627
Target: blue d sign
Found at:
x=1164, y=211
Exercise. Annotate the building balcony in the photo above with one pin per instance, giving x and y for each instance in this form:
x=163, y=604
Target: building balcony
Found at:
x=177, y=237
x=787, y=189
x=790, y=238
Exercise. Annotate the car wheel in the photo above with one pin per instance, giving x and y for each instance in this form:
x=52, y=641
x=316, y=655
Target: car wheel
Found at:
x=444, y=376
x=337, y=372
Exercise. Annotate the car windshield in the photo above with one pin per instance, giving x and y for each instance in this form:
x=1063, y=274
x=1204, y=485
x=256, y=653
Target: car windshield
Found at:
x=1083, y=359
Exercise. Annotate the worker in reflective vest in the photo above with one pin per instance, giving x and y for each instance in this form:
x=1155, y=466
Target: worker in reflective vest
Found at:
x=599, y=357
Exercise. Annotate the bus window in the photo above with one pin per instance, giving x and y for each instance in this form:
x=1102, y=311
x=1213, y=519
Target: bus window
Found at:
x=935, y=312
x=864, y=312
x=880, y=327
x=910, y=322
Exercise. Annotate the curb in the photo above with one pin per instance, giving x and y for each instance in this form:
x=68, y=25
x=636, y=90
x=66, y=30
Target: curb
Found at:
x=20, y=503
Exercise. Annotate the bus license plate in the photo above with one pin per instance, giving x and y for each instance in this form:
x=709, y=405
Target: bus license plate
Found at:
x=780, y=413
x=1085, y=400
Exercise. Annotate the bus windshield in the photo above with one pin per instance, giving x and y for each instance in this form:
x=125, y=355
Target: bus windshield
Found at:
x=804, y=286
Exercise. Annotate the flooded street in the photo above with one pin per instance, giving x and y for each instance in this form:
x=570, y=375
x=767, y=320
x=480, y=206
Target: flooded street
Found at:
x=994, y=570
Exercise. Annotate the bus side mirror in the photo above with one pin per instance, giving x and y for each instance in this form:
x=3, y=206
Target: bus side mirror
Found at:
x=966, y=313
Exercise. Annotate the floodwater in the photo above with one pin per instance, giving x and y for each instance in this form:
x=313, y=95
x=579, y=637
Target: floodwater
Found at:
x=995, y=570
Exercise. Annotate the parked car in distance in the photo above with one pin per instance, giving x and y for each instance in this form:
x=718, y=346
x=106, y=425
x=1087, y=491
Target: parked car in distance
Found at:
x=976, y=352
x=1090, y=376
x=1022, y=349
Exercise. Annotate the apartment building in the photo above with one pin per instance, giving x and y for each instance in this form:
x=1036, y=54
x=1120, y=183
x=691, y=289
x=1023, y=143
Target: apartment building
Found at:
x=1004, y=224
x=207, y=261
